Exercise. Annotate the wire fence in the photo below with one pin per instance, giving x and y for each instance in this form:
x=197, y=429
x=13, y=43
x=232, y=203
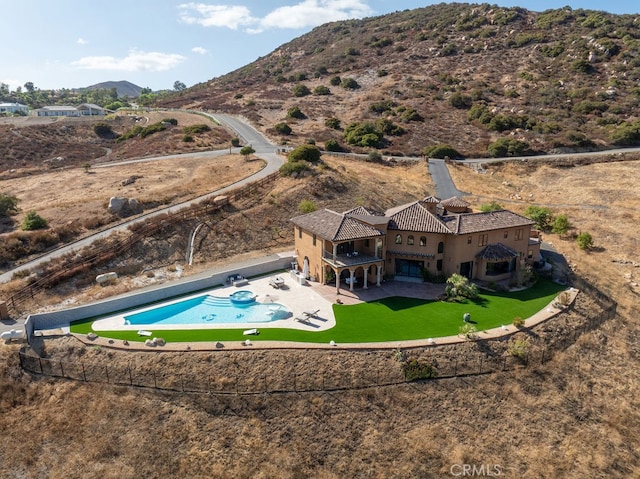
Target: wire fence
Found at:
x=463, y=362
x=94, y=256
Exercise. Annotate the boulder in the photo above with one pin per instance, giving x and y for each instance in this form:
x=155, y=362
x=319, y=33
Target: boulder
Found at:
x=124, y=207
x=116, y=204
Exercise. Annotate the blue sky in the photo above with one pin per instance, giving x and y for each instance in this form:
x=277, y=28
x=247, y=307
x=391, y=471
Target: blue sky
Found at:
x=153, y=43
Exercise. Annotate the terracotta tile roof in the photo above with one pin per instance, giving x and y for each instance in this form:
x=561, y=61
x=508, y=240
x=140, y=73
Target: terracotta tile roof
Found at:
x=415, y=217
x=334, y=226
x=431, y=199
x=497, y=252
x=454, y=202
x=467, y=223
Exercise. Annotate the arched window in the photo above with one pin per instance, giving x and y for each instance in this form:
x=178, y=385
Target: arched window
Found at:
x=410, y=239
x=398, y=239
x=441, y=247
x=423, y=241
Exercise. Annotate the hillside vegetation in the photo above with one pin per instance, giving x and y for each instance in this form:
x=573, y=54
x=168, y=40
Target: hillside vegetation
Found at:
x=458, y=74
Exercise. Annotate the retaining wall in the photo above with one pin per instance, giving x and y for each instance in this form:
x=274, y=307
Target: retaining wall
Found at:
x=57, y=319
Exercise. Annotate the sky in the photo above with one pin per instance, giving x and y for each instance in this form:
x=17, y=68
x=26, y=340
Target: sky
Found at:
x=154, y=43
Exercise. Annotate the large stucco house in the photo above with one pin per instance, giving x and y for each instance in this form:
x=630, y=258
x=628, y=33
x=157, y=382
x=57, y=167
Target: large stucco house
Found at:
x=86, y=109
x=416, y=240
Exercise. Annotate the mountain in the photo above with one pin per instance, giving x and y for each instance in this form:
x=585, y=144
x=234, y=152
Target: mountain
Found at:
x=480, y=78
x=124, y=88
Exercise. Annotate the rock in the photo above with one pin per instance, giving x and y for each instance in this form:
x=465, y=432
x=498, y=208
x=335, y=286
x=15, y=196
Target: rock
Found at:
x=150, y=342
x=124, y=207
x=159, y=341
x=92, y=336
x=134, y=206
x=116, y=204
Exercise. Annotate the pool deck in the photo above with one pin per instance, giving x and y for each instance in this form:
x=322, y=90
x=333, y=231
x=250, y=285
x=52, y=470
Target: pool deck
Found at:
x=314, y=297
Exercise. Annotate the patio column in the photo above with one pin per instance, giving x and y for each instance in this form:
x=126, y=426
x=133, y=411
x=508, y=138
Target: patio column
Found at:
x=338, y=283
x=379, y=275
x=366, y=271
x=335, y=252
x=350, y=280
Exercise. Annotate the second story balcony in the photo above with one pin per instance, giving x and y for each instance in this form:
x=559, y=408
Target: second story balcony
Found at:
x=349, y=259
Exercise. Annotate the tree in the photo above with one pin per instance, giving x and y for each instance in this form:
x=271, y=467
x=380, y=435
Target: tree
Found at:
x=309, y=153
x=32, y=221
x=235, y=142
x=179, y=86
x=541, y=215
x=247, y=151
x=29, y=87
x=585, y=240
x=332, y=145
x=560, y=225
x=8, y=205
x=493, y=206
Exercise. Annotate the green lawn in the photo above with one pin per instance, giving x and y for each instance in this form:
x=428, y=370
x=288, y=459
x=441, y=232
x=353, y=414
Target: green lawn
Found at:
x=390, y=319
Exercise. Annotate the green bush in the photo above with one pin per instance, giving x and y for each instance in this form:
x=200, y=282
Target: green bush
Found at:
x=309, y=153
x=519, y=348
x=295, y=112
x=151, y=129
x=196, y=129
x=307, y=206
x=459, y=287
x=440, y=151
x=335, y=81
x=493, y=206
x=541, y=215
x=103, y=129
x=8, y=204
x=349, y=84
x=504, y=147
x=301, y=90
x=364, y=134
x=461, y=101
x=560, y=225
x=332, y=145
x=321, y=90
x=32, y=221
x=518, y=322
x=235, y=142
x=132, y=133
x=283, y=128
x=291, y=167
x=584, y=241
x=332, y=123
x=187, y=138
x=415, y=370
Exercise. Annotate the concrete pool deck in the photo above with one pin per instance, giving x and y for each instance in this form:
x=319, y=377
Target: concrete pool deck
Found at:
x=316, y=297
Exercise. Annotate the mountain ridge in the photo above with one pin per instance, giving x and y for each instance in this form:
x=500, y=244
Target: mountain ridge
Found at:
x=465, y=75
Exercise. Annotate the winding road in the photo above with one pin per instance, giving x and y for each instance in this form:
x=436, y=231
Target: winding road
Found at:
x=263, y=150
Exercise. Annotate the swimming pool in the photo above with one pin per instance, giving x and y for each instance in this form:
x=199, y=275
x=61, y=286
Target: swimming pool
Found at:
x=208, y=309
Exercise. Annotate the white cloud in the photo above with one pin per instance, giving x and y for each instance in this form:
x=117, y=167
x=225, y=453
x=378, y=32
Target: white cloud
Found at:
x=135, y=61
x=308, y=13
x=230, y=16
x=81, y=41
x=200, y=50
x=311, y=13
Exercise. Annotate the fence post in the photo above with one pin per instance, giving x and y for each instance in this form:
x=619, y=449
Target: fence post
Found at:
x=40, y=364
x=130, y=376
x=84, y=373
x=455, y=368
x=106, y=371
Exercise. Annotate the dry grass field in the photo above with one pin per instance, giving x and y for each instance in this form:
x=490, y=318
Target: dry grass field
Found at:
x=575, y=416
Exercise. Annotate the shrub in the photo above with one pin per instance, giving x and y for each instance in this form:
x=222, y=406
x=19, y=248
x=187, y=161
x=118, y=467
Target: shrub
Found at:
x=335, y=81
x=364, y=134
x=309, y=153
x=458, y=287
x=32, y=221
x=507, y=147
x=283, y=128
x=560, y=225
x=380, y=107
x=291, y=167
x=458, y=100
x=519, y=348
x=518, y=322
x=151, y=129
x=493, y=206
x=415, y=370
x=332, y=145
x=584, y=241
x=332, y=123
x=440, y=151
x=468, y=331
x=295, y=112
x=349, y=84
x=8, y=204
x=307, y=206
x=301, y=90
x=187, y=139
x=321, y=90
x=103, y=130
x=235, y=141
x=247, y=151
x=196, y=129
x=132, y=133
x=374, y=157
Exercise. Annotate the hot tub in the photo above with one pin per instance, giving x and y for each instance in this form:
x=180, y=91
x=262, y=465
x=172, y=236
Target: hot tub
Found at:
x=244, y=296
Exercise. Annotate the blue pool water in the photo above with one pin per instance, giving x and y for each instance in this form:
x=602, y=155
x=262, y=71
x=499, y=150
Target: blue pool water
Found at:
x=209, y=309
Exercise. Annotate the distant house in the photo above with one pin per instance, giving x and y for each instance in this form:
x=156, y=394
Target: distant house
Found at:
x=86, y=109
x=12, y=108
x=414, y=241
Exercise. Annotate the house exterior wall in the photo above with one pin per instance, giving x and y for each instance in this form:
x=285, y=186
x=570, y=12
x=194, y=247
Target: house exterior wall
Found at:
x=306, y=248
x=428, y=254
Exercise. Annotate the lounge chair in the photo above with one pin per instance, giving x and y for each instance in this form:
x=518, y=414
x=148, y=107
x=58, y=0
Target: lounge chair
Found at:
x=311, y=314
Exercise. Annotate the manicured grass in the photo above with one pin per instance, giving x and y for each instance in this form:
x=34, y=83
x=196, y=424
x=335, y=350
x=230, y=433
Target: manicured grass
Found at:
x=390, y=319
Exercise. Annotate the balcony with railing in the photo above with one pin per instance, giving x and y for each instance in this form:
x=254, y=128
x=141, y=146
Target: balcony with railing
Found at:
x=349, y=259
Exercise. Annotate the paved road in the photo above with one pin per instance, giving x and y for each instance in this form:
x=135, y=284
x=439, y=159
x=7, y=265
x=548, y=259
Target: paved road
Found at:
x=445, y=187
x=250, y=135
